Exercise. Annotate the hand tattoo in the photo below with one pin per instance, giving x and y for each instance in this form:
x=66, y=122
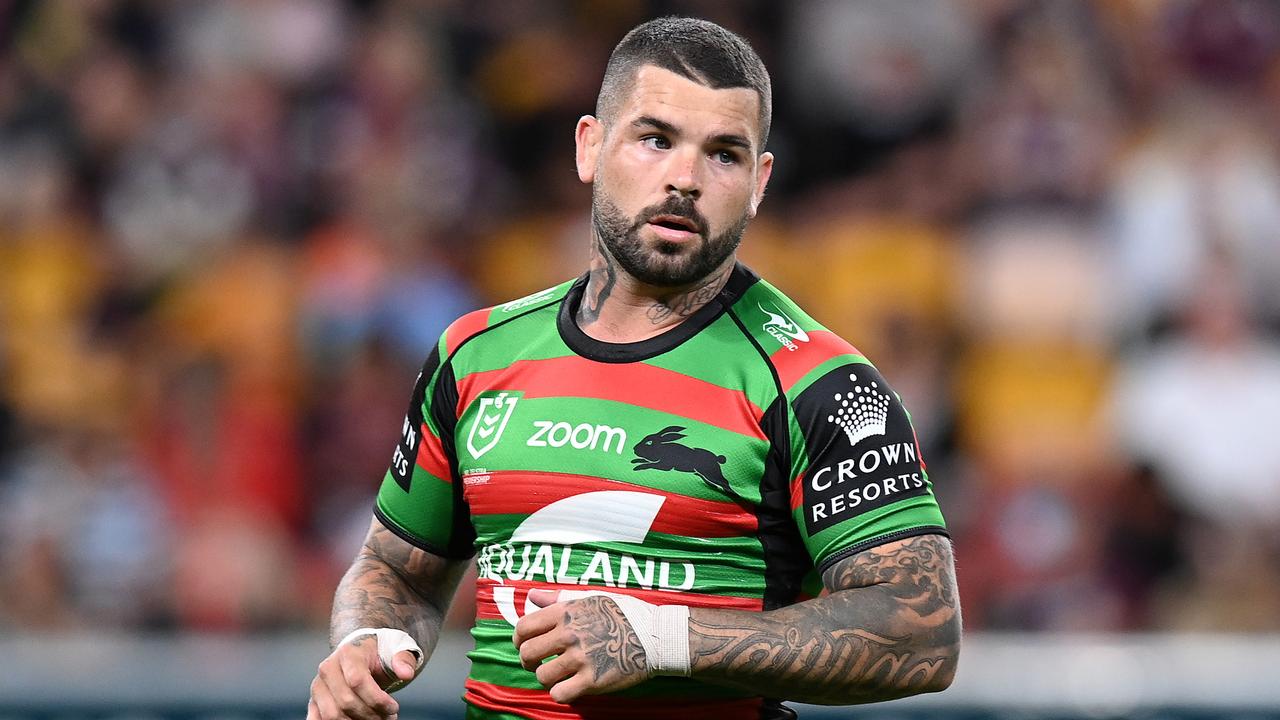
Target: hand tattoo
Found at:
x=606, y=638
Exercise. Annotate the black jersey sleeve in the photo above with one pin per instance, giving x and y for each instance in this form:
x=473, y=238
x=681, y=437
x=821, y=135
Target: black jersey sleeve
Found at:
x=859, y=480
x=421, y=497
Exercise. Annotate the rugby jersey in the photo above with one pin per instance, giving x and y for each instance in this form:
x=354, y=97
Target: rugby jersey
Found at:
x=724, y=463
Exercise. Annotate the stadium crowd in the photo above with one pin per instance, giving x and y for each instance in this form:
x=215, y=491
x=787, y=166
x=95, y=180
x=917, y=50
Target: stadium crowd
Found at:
x=230, y=231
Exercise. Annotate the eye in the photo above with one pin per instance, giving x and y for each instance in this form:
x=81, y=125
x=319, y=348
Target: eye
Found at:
x=725, y=157
x=656, y=142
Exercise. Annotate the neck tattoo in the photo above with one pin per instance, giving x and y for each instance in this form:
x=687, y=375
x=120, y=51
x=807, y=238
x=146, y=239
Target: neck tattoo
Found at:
x=687, y=303
x=602, y=278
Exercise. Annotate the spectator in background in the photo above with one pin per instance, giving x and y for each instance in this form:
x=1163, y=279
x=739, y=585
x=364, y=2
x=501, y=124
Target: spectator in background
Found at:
x=1202, y=407
x=264, y=209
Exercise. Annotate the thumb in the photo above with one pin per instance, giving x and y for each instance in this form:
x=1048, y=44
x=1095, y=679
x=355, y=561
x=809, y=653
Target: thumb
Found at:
x=403, y=665
x=543, y=597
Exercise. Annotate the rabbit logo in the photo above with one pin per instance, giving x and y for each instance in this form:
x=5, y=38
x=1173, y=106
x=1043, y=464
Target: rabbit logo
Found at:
x=660, y=451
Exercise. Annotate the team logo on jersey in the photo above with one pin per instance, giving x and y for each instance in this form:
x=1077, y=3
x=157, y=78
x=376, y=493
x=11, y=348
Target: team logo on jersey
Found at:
x=542, y=548
x=490, y=420
x=862, y=413
x=783, y=328
x=660, y=451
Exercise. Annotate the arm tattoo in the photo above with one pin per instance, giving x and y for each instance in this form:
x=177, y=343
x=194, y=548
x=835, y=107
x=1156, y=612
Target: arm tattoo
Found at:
x=889, y=628
x=396, y=585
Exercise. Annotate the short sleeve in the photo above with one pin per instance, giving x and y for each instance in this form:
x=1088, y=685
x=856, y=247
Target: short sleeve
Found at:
x=859, y=477
x=420, y=499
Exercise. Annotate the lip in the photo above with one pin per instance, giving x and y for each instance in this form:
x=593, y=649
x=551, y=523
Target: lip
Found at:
x=671, y=234
x=690, y=227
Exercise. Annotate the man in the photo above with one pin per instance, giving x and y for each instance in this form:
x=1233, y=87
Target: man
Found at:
x=661, y=464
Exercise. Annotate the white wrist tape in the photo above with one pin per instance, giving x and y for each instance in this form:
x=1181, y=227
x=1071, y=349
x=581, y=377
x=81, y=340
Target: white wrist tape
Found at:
x=663, y=630
x=391, y=641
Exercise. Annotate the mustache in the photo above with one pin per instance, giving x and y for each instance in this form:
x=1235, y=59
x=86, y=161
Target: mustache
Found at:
x=677, y=205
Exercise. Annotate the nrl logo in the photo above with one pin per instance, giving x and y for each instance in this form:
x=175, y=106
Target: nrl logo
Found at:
x=489, y=422
x=783, y=328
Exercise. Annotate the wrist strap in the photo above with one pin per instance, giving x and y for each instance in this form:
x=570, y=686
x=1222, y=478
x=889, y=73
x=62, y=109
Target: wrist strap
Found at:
x=663, y=630
x=390, y=641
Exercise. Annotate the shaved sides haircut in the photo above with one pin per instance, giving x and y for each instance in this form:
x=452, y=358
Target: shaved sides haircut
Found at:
x=696, y=49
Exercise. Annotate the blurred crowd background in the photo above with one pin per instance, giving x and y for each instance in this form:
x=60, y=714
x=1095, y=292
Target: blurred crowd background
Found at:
x=231, y=230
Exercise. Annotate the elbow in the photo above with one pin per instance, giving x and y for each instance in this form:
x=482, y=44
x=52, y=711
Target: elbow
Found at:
x=945, y=675
x=934, y=668
x=943, y=668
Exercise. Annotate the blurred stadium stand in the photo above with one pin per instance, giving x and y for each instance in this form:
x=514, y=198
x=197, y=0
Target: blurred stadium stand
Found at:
x=229, y=231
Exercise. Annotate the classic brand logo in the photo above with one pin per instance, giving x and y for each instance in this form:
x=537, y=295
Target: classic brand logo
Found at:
x=862, y=413
x=490, y=420
x=783, y=328
x=542, y=548
x=528, y=300
x=660, y=451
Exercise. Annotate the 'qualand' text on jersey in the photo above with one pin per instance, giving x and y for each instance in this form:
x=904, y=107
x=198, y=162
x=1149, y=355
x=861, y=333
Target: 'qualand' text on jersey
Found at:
x=724, y=463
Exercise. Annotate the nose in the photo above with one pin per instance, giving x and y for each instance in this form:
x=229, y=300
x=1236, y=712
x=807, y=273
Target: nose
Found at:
x=682, y=174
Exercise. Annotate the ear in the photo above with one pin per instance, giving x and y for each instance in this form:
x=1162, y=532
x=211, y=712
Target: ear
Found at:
x=588, y=136
x=764, y=169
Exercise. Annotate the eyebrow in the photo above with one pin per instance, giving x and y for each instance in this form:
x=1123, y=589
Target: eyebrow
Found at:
x=729, y=139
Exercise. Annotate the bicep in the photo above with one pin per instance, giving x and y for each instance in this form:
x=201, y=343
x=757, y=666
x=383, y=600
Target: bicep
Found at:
x=434, y=577
x=917, y=572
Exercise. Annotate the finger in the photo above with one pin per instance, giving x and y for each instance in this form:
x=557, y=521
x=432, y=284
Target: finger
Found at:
x=405, y=665
x=313, y=712
x=346, y=702
x=540, y=647
x=543, y=597
x=571, y=689
x=553, y=671
x=355, y=671
x=322, y=699
x=536, y=623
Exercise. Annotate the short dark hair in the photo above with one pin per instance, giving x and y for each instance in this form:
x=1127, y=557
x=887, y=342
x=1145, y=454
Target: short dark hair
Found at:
x=699, y=50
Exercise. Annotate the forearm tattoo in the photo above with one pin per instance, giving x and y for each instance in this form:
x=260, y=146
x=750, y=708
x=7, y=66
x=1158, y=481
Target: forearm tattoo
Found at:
x=395, y=585
x=889, y=628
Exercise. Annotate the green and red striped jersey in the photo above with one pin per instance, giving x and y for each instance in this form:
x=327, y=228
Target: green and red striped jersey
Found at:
x=725, y=463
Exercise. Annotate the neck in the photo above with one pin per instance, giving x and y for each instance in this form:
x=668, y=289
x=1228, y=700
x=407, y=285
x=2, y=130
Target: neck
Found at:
x=618, y=308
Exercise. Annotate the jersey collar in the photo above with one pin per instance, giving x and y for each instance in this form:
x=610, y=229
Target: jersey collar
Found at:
x=588, y=347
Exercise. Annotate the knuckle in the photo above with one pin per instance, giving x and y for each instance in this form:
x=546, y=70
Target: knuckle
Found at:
x=348, y=702
x=526, y=654
x=568, y=638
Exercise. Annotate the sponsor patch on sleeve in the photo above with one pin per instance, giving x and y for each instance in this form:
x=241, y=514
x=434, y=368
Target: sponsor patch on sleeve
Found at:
x=406, y=452
x=862, y=449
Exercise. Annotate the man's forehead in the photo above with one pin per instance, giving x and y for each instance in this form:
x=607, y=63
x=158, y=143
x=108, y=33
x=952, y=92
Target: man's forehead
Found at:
x=690, y=106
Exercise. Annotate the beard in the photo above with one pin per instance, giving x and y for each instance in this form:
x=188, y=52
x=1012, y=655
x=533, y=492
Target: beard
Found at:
x=666, y=264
